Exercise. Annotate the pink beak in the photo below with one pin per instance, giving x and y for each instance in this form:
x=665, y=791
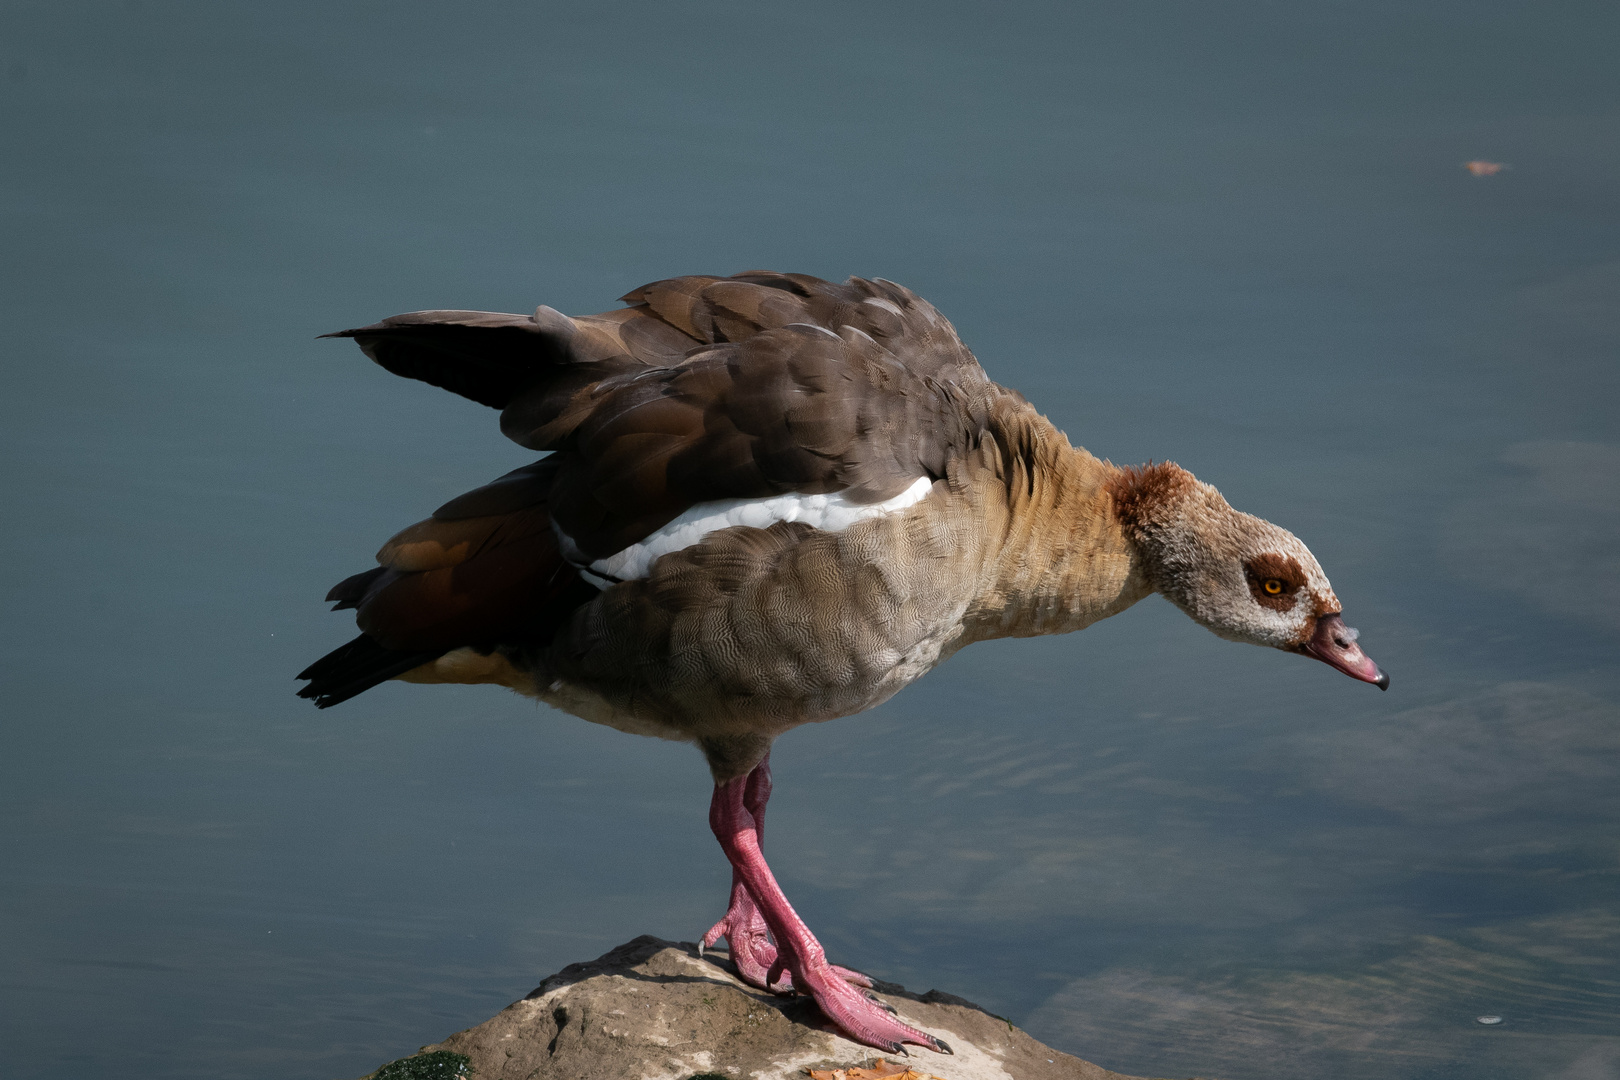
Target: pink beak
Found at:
x=1334, y=644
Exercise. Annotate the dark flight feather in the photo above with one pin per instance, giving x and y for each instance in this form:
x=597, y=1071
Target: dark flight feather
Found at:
x=355, y=668
x=487, y=356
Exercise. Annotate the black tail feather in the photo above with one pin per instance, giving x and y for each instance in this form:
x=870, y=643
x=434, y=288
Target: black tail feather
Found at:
x=355, y=668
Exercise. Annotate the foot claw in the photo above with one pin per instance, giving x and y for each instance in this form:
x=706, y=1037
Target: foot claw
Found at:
x=860, y=1015
x=851, y=976
x=880, y=1003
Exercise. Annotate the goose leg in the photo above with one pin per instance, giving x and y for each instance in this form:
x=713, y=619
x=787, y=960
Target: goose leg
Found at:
x=743, y=927
x=856, y=1012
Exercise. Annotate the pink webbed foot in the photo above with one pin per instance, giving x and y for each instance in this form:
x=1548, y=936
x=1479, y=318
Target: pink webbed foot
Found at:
x=753, y=951
x=799, y=957
x=859, y=1014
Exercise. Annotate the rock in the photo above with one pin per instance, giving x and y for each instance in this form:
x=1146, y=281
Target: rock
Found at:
x=654, y=1010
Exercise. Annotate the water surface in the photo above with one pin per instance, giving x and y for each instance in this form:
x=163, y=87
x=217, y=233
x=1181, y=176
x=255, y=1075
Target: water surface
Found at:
x=1238, y=236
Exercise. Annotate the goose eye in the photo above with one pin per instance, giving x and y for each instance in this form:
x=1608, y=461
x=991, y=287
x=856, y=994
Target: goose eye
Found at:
x=1272, y=586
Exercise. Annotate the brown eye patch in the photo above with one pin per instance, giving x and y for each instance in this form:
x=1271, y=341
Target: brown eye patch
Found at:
x=1273, y=580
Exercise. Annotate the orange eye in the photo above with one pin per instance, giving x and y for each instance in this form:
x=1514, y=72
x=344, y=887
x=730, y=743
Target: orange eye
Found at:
x=1272, y=586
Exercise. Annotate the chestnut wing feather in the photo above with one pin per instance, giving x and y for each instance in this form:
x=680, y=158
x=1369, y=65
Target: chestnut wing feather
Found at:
x=484, y=569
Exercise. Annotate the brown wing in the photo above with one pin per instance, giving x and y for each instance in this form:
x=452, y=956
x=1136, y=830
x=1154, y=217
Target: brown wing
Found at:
x=705, y=388
x=793, y=409
x=709, y=388
x=713, y=310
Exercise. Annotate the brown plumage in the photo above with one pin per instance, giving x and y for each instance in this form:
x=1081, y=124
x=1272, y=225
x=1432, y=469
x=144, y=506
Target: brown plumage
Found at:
x=771, y=500
x=705, y=389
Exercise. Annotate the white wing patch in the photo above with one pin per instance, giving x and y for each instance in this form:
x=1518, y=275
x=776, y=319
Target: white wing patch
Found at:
x=829, y=513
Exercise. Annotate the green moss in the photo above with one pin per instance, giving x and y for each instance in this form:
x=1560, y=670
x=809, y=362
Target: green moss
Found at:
x=439, y=1065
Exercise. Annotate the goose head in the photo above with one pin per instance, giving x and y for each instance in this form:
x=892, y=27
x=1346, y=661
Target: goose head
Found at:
x=1239, y=576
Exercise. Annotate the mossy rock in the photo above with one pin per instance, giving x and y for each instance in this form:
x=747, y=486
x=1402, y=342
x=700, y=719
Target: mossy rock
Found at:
x=439, y=1065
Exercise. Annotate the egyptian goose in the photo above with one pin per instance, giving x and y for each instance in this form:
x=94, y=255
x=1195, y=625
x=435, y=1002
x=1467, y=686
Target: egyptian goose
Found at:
x=771, y=500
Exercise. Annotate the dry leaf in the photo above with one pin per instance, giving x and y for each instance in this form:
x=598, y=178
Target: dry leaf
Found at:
x=880, y=1070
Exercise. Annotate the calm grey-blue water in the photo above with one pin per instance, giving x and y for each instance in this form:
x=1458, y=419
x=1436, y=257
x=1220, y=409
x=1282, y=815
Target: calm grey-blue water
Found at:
x=1238, y=236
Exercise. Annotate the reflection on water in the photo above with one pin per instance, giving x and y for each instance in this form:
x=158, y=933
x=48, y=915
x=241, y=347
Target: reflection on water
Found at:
x=1520, y=781
x=1519, y=747
x=1417, y=1013
x=1241, y=238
